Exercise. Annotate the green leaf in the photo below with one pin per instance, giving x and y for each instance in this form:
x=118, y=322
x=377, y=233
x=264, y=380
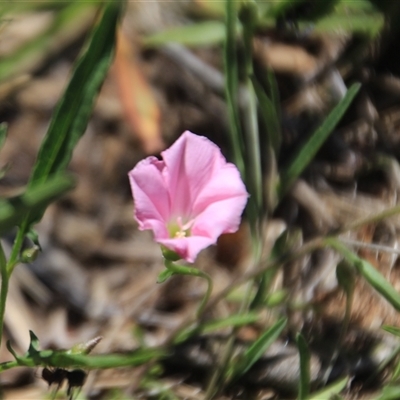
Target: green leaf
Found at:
x=3, y=136
x=137, y=357
x=369, y=272
x=211, y=326
x=34, y=236
x=329, y=391
x=14, y=211
x=314, y=143
x=33, y=350
x=396, y=366
x=390, y=393
x=196, y=34
x=352, y=17
x=396, y=372
x=367, y=24
x=379, y=283
x=304, y=384
x=41, y=46
x=74, y=109
x=259, y=347
x=277, y=298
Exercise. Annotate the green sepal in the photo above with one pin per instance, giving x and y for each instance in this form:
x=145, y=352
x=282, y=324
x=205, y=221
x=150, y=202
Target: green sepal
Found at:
x=164, y=275
x=169, y=254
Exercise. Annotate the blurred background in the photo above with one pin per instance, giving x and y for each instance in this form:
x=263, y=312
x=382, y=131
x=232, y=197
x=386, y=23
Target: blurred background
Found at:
x=96, y=274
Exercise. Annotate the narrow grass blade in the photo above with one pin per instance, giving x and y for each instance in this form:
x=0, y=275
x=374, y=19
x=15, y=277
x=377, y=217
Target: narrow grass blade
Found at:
x=264, y=284
x=73, y=111
x=232, y=321
x=269, y=115
x=196, y=34
x=3, y=134
x=231, y=86
x=101, y=361
x=258, y=348
x=273, y=92
x=389, y=359
x=328, y=392
x=252, y=152
x=64, y=360
x=304, y=384
x=270, y=143
x=392, y=329
x=368, y=271
x=314, y=143
x=285, y=243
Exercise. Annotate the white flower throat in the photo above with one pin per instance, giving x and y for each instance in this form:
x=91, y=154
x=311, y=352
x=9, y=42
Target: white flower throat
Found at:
x=179, y=229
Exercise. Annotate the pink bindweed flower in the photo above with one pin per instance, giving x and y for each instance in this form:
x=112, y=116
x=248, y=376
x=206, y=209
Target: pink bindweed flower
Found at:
x=190, y=197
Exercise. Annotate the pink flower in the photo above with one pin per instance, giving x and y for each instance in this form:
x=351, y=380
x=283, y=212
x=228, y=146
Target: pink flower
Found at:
x=190, y=197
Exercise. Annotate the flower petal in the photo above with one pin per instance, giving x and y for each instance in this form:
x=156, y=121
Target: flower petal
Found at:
x=190, y=163
x=152, y=203
x=220, y=205
x=226, y=183
x=189, y=247
x=221, y=217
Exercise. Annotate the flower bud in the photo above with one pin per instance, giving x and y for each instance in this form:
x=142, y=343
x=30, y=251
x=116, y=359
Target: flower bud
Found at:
x=30, y=255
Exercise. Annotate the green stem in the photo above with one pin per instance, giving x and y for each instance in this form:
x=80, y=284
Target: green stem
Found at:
x=264, y=266
x=14, y=257
x=184, y=270
x=250, y=121
x=4, y=288
x=219, y=369
x=390, y=212
x=6, y=269
x=343, y=330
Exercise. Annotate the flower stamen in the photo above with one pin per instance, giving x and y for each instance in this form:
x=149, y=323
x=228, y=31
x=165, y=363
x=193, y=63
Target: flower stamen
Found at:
x=180, y=230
